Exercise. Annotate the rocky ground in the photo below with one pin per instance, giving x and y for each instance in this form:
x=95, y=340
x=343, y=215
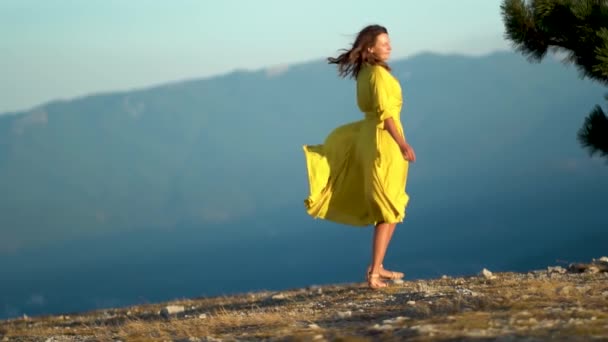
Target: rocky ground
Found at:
x=558, y=303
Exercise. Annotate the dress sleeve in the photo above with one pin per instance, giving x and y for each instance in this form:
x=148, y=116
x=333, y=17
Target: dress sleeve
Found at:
x=383, y=100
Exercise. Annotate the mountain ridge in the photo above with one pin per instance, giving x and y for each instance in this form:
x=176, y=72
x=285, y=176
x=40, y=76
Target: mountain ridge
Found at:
x=257, y=70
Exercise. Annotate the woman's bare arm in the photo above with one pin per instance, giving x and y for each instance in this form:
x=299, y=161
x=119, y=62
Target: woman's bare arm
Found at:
x=406, y=149
x=389, y=125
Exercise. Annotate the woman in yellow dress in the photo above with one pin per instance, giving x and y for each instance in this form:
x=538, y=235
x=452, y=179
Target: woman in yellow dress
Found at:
x=358, y=175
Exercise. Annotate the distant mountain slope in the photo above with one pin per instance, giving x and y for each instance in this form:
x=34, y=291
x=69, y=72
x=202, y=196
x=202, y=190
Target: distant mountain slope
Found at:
x=215, y=150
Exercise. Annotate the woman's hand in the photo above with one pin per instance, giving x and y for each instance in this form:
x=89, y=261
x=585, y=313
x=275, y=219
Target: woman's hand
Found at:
x=408, y=152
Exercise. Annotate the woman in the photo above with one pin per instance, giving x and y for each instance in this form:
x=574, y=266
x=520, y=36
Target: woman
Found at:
x=358, y=175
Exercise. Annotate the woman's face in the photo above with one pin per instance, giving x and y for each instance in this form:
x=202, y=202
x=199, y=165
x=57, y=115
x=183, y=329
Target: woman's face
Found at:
x=382, y=48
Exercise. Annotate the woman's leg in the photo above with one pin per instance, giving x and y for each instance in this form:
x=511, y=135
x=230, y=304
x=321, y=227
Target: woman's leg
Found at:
x=385, y=238
x=385, y=272
x=390, y=234
x=380, y=241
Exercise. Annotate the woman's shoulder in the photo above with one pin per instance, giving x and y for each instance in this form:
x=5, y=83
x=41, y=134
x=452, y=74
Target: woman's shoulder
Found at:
x=376, y=71
x=373, y=67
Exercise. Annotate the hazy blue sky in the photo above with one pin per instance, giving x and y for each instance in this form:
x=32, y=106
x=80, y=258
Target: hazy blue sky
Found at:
x=67, y=48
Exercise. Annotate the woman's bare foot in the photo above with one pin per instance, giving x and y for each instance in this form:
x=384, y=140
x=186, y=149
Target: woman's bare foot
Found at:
x=386, y=274
x=373, y=281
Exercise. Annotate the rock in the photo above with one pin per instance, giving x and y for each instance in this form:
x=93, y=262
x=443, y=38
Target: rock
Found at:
x=548, y=323
x=167, y=311
x=556, y=269
x=395, y=320
x=592, y=269
x=384, y=327
x=315, y=288
x=317, y=337
x=581, y=267
x=487, y=274
x=424, y=328
x=313, y=326
x=575, y=321
x=278, y=296
x=398, y=281
x=411, y=302
x=424, y=287
x=525, y=313
x=466, y=292
x=459, y=281
x=445, y=277
x=602, y=260
x=202, y=316
x=344, y=314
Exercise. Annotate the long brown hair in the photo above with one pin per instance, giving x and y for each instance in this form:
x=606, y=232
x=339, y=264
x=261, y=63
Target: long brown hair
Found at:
x=351, y=60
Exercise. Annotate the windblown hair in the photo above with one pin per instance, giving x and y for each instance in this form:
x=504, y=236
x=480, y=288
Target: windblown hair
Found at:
x=350, y=61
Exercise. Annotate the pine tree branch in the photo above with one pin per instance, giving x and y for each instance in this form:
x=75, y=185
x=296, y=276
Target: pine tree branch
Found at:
x=593, y=135
x=578, y=27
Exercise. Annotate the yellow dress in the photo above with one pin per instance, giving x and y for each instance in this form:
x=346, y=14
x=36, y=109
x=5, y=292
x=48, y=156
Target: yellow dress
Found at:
x=358, y=175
